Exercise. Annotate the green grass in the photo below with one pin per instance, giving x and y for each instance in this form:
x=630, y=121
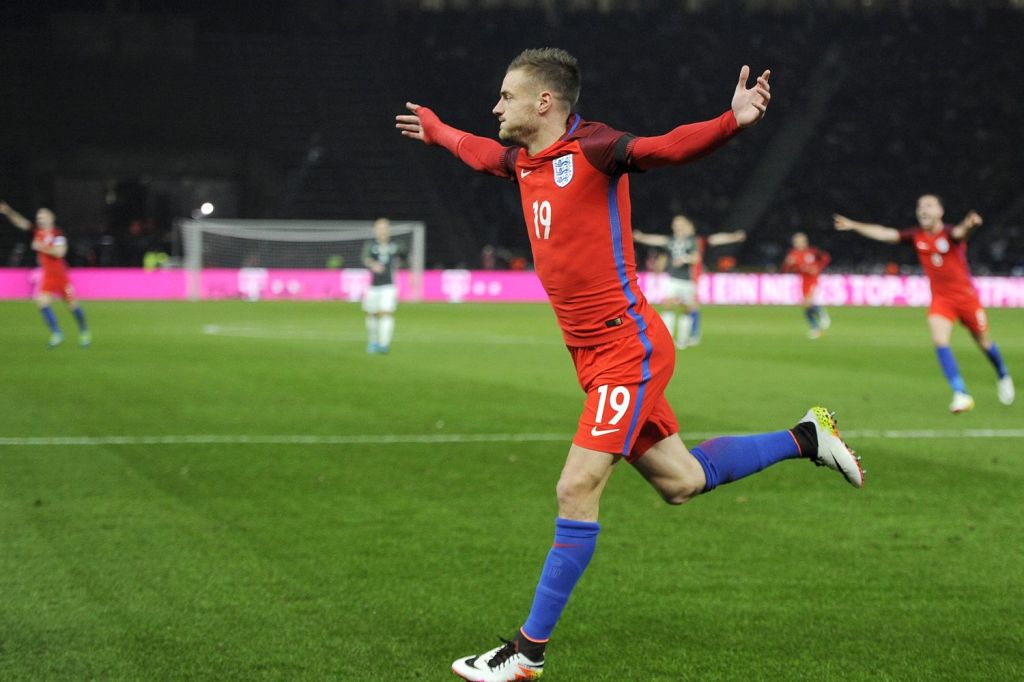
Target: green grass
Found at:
x=385, y=561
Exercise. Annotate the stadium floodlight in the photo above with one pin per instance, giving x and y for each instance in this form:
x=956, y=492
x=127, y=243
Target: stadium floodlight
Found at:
x=292, y=244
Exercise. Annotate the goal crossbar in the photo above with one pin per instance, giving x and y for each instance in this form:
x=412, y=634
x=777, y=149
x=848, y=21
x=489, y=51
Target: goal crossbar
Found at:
x=298, y=244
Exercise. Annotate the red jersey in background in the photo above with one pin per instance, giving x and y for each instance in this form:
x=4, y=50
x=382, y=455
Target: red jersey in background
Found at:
x=55, y=270
x=808, y=263
x=944, y=260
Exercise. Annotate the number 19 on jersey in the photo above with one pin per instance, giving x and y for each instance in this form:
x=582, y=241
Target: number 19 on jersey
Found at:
x=542, y=218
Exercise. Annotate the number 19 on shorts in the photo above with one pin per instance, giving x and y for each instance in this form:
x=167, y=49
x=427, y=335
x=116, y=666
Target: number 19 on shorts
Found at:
x=542, y=218
x=617, y=399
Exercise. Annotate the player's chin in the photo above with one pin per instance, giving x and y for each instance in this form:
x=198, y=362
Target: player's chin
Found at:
x=512, y=137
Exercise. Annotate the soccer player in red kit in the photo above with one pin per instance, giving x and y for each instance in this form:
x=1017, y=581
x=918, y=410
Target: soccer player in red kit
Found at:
x=51, y=246
x=942, y=250
x=573, y=179
x=809, y=262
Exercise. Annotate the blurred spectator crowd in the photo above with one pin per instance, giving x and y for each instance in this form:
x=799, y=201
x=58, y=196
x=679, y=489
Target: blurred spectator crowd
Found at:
x=869, y=110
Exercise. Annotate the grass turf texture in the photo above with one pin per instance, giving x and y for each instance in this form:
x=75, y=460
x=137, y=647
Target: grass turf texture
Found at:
x=365, y=561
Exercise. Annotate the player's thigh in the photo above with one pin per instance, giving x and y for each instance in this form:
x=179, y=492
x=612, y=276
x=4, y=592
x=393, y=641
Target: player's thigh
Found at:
x=940, y=325
x=671, y=470
x=682, y=292
x=43, y=298
x=68, y=294
x=381, y=299
x=974, y=317
x=388, y=299
x=659, y=423
x=624, y=380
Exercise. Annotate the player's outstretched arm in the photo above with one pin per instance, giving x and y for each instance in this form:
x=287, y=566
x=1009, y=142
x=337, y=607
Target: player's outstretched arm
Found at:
x=18, y=220
x=723, y=238
x=695, y=140
x=964, y=228
x=881, y=233
x=650, y=239
x=479, y=153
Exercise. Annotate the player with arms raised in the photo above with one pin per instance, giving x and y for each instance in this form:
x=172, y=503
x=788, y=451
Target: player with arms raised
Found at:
x=50, y=245
x=685, y=255
x=809, y=262
x=572, y=176
x=942, y=250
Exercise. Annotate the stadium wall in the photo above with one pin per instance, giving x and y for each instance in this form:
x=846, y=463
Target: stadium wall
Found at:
x=492, y=286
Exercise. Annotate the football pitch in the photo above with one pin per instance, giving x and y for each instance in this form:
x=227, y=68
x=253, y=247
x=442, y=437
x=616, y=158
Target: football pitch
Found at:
x=237, y=491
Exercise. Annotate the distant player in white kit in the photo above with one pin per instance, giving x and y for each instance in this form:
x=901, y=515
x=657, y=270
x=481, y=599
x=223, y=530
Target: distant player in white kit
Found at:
x=380, y=255
x=685, y=257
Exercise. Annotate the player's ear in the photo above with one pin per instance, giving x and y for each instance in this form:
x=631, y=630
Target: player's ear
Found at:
x=545, y=100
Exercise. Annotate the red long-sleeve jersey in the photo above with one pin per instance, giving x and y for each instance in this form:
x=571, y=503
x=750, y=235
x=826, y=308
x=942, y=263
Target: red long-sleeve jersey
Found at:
x=809, y=262
x=575, y=198
x=52, y=265
x=943, y=259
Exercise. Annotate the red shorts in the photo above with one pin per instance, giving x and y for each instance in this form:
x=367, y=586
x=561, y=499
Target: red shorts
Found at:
x=809, y=284
x=625, y=411
x=57, y=285
x=967, y=309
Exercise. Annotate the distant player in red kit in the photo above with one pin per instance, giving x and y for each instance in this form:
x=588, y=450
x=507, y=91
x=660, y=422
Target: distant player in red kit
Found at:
x=573, y=179
x=809, y=262
x=51, y=246
x=942, y=250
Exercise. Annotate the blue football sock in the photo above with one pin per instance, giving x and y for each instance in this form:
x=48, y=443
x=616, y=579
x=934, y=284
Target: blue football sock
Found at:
x=51, y=319
x=695, y=323
x=812, y=317
x=730, y=458
x=80, y=318
x=574, y=545
x=950, y=369
x=996, y=358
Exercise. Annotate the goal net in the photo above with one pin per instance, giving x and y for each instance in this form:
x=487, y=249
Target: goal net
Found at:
x=292, y=244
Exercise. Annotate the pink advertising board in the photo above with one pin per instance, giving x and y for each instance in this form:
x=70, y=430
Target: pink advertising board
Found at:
x=484, y=285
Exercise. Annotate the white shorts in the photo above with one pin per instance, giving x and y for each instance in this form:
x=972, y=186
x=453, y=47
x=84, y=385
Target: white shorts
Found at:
x=381, y=299
x=683, y=290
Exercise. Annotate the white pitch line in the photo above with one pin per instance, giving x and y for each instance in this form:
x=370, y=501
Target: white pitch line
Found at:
x=343, y=336
x=426, y=439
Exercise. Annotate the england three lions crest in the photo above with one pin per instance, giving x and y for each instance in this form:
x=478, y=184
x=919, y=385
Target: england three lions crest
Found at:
x=563, y=170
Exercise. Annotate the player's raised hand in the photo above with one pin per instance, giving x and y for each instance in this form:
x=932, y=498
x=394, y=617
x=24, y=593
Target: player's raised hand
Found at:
x=841, y=222
x=972, y=219
x=418, y=124
x=749, y=104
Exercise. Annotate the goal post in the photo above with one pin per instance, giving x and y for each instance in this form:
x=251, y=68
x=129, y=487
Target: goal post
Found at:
x=292, y=244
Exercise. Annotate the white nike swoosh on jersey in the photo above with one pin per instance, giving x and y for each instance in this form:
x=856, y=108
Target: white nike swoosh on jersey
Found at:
x=601, y=432
x=524, y=173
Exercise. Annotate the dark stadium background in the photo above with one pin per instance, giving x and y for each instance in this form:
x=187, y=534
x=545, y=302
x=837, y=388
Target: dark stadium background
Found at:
x=124, y=115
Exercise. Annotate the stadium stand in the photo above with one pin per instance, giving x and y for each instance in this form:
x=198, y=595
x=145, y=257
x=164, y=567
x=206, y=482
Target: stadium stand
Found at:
x=871, y=108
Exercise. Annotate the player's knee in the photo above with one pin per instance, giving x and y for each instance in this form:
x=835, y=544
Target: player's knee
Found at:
x=571, y=489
